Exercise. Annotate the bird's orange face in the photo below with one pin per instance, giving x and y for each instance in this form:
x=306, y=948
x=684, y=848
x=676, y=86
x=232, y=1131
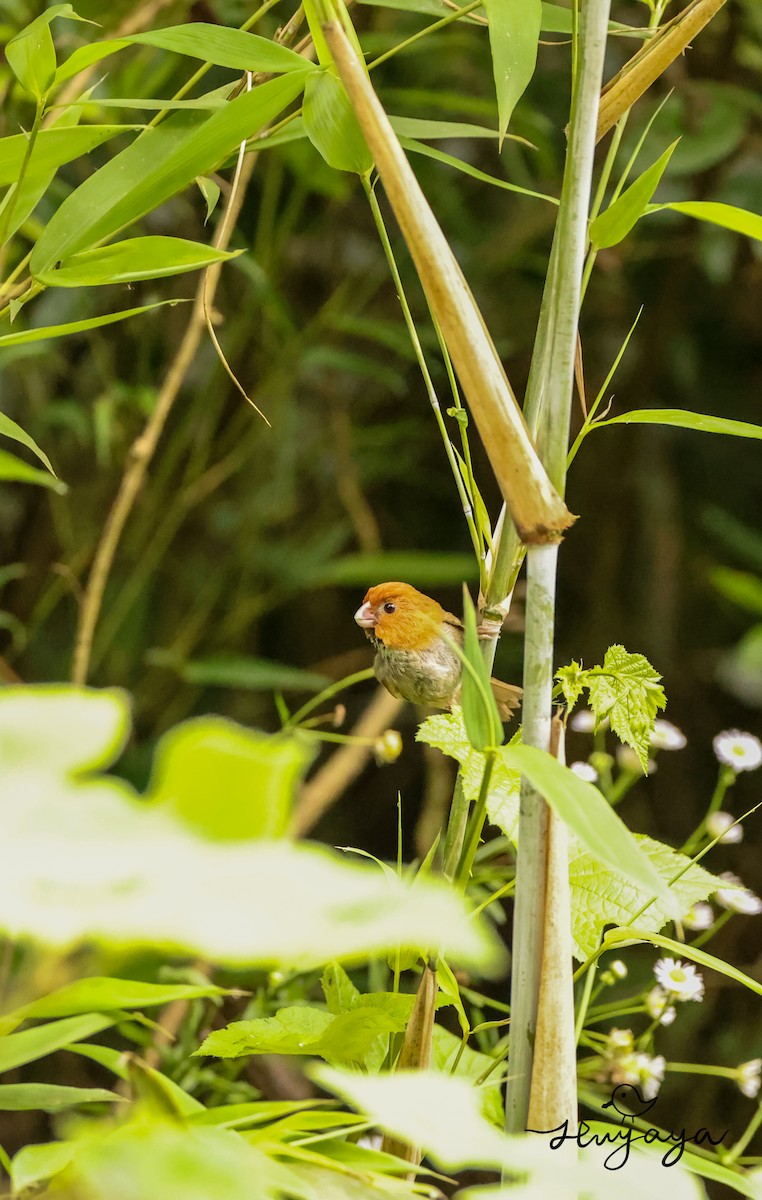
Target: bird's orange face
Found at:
x=400, y=616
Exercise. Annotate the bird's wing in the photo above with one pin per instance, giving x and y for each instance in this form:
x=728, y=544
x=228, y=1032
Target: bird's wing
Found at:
x=508, y=697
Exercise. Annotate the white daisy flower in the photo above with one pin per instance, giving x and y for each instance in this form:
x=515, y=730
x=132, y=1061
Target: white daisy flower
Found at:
x=658, y=1006
x=741, y=751
x=583, y=720
x=667, y=736
x=585, y=771
x=720, y=824
x=641, y=1070
x=619, y=1041
x=738, y=898
x=628, y=760
x=681, y=982
x=700, y=916
x=748, y=1077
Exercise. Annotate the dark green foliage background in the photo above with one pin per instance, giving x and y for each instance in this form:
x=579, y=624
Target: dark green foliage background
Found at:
x=238, y=540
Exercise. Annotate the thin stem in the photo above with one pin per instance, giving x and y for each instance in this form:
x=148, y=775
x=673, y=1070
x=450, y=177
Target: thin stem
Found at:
x=383, y=234
x=416, y=37
x=476, y=825
x=327, y=694
x=738, y=1147
x=725, y=779
x=584, y=1003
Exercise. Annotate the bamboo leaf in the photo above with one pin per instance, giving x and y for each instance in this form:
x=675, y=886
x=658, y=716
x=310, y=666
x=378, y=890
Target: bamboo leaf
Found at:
x=514, y=32
x=331, y=125
x=156, y=166
x=415, y=127
x=50, y=1097
x=684, y=950
x=34, y=1164
x=12, y=430
x=233, y=48
x=42, y=333
x=680, y=419
x=135, y=258
x=101, y=994
x=53, y=148
x=451, y=161
x=480, y=714
x=591, y=818
x=16, y=1049
x=612, y=225
x=740, y=220
x=13, y=470
x=31, y=54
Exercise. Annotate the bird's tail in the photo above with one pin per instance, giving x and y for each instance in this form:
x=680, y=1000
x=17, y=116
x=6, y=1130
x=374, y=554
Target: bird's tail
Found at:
x=508, y=698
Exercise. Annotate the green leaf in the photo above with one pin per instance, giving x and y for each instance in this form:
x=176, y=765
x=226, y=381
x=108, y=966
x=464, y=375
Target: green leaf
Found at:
x=12, y=430
x=252, y=775
x=52, y=148
x=345, y=1038
x=331, y=124
x=740, y=220
x=339, y=991
x=155, y=167
x=447, y=732
x=590, y=817
x=601, y=895
x=34, y=1164
x=14, y=470
x=611, y=226
x=23, y=337
x=251, y=674
x=627, y=690
x=447, y=1049
x=233, y=48
x=101, y=994
x=514, y=32
x=135, y=258
x=81, y=858
x=480, y=714
x=31, y=1044
x=450, y=161
x=680, y=419
x=257, y=1112
x=685, y=950
x=448, y=986
x=50, y=1097
x=112, y=1060
x=31, y=54
x=211, y=193
x=415, y=127
x=572, y=680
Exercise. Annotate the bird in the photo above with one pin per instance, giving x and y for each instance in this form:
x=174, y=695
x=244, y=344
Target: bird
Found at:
x=414, y=660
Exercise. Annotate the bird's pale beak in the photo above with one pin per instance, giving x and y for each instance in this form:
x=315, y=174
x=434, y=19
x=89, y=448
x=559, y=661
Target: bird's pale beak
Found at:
x=366, y=617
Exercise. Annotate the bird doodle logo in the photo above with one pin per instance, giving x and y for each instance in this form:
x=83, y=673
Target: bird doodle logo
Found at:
x=629, y=1105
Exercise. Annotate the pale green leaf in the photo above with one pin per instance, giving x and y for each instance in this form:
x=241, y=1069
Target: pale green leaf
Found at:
x=41, y=334
x=136, y=258
x=740, y=587
x=211, y=193
x=52, y=148
x=572, y=680
x=10, y=429
x=591, y=818
x=612, y=225
x=514, y=31
x=680, y=419
x=601, y=896
x=628, y=691
x=480, y=715
x=16, y=1049
x=684, y=950
x=339, y=991
x=415, y=127
x=740, y=220
x=50, y=1097
x=31, y=54
x=446, y=1049
x=101, y=994
x=227, y=782
x=256, y=1112
x=155, y=167
x=35, y=1164
x=446, y=732
x=450, y=161
x=422, y=567
x=331, y=124
x=13, y=470
x=82, y=859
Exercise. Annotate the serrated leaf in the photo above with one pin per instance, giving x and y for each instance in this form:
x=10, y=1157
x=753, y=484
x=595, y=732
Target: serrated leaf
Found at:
x=572, y=682
x=628, y=691
x=447, y=732
x=612, y=225
x=514, y=33
x=601, y=896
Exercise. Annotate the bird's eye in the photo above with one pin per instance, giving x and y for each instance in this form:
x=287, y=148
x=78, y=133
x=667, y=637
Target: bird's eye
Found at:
x=389, y=607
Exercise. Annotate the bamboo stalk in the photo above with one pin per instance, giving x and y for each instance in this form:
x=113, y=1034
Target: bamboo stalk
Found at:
x=553, y=381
